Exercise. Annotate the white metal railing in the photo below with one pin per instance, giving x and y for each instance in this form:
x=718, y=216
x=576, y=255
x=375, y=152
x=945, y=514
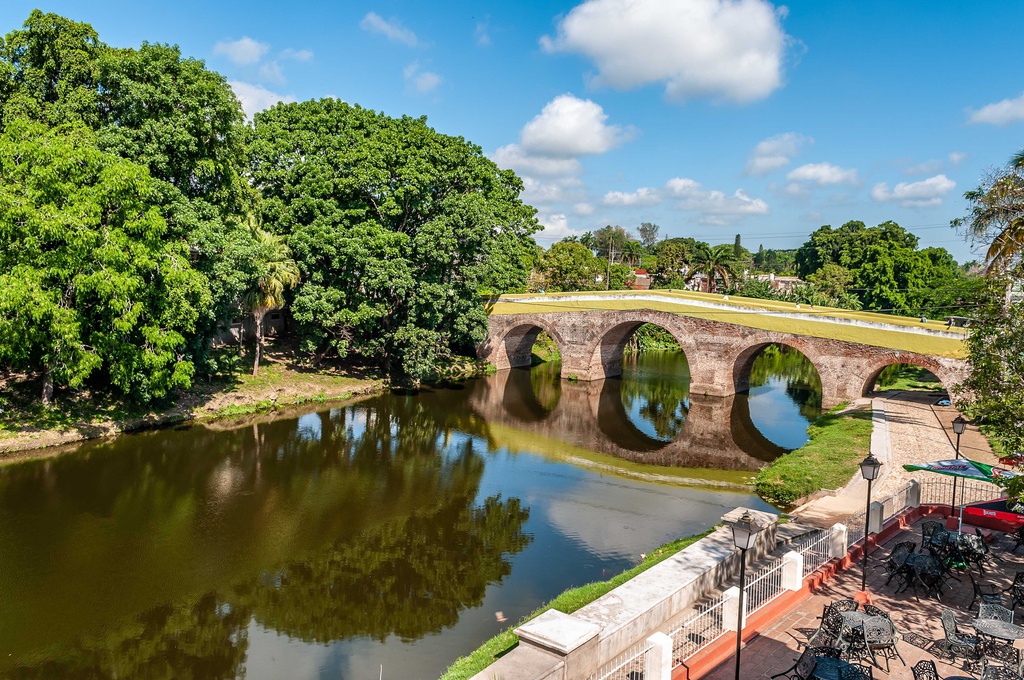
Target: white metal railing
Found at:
x=896, y=503
x=629, y=665
x=764, y=587
x=940, y=491
x=698, y=631
x=817, y=550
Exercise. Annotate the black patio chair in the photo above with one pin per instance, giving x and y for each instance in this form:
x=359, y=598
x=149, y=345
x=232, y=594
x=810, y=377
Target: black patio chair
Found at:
x=829, y=628
x=999, y=673
x=872, y=610
x=974, y=551
x=957, y=644
x=995, y=611
x=1016, y=590
x=895, y=565
x=853, y=644
x=846, y=605
x=989, y=594
x=880, y=638
x=928, y=528
x=803, y=668
x=1001, y=651
x=855, y=672
x=926, y=670
x=1017, y=537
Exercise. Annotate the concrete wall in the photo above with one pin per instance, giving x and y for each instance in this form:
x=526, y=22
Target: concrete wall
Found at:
x=556, y=645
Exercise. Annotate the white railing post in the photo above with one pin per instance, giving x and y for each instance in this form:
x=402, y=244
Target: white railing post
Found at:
x=839, y=541
x=659, y=659
x=914, y=494
x=730, y=608
x=792, y=571
x=875, y=518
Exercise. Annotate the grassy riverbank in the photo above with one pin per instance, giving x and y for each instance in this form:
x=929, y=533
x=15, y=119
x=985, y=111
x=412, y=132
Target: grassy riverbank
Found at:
x=568, y=602
x=284, y=380
x=840, y=439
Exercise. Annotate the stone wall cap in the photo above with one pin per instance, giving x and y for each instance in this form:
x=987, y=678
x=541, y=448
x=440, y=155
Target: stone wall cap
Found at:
x=762, y=519
x=557, y=631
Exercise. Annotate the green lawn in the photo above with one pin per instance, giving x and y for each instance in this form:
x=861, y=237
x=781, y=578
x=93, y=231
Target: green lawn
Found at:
x=839, y=442
x=568, y=602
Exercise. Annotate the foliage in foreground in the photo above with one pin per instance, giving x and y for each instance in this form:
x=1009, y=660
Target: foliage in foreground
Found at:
x=993, y=394
x=839, y=442
x=567, y=602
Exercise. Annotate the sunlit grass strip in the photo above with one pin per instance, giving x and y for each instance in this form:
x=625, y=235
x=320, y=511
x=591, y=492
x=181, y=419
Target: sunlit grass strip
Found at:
x=568, y=602
x=839, y=442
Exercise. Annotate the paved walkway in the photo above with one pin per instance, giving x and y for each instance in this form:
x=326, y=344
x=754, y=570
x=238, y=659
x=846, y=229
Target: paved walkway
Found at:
x=778, y=646
x=908, y=428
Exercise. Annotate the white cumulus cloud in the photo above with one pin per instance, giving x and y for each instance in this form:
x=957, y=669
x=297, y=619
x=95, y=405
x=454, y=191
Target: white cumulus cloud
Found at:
x=999, y=113
x=583, y=209
x=775, y=152
x=392, y=30
x=714, y=207
x=296, y=55
x=568, y=127
x=423, y=82
x=725, y=49
x=243, y=51
x=556, y=226
x=823, y=174
x=271, y=72
x=926, y=193
x=642, y=196
x=256, y=98
x=515, y=157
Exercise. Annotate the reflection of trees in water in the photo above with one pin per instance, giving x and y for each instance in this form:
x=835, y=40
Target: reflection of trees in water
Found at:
x=204, y=640
x=803, y=384
x=547, y=384
x=369, y=529
x=658, y=385
x=406, y=577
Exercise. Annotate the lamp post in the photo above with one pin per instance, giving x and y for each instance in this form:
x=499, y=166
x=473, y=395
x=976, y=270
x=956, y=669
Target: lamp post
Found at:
x=744, y=533
x=869, y=468
x=959, y=425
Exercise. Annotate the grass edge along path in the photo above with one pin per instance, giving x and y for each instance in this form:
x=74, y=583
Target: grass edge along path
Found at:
x=839, y=441
x=567, y=602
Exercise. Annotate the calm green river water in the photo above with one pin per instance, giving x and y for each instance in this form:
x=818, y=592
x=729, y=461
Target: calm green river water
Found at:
x=398, y=532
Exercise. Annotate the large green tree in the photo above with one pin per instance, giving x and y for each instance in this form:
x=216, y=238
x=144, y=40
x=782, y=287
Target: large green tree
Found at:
x=88, y=281
x=152, y=106
x=569, y=266
x=391, y=223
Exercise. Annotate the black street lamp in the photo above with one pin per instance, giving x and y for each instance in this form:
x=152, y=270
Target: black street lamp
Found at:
x=744, y=533
x=869, y=468
x=959, y=425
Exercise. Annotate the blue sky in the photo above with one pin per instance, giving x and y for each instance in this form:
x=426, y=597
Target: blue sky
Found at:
x=710, y=118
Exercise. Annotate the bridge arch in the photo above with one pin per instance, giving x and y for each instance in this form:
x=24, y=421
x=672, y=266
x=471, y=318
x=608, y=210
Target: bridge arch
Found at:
x=514, y=348
x=606, y=348
x=744, y=361
x=947, y=377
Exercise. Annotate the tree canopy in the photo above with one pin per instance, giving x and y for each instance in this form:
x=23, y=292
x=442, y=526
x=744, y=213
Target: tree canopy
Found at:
x=390, y=223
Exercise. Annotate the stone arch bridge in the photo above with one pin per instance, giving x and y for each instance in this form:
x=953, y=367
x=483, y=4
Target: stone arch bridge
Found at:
x=721, y=337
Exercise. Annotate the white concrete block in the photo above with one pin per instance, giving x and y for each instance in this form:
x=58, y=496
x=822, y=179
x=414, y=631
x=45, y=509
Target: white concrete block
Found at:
x=792, y=570
x=659, y=661
x=558, y=632
x=875, y=511
x=731, y=609
x=840, y=541
x=914, y=495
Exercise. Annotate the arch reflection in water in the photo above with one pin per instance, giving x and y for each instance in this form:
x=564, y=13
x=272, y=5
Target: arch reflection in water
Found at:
x=648, y=415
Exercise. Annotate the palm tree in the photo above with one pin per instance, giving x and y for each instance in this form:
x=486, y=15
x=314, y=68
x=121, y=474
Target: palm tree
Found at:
x=633, y=250
x=277, y=271
x=715, y=262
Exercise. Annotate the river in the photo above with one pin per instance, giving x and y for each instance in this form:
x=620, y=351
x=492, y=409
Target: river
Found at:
x=394, y=533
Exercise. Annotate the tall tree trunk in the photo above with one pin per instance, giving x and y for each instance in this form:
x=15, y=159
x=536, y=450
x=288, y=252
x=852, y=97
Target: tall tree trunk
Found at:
x=47, y=386
x=258, y=316
x=1008, y=294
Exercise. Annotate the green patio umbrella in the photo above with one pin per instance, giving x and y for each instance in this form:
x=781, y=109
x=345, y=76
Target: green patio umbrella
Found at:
x=963, y=467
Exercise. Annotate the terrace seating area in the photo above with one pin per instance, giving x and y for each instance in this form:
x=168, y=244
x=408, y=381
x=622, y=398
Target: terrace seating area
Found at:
x=945, y=604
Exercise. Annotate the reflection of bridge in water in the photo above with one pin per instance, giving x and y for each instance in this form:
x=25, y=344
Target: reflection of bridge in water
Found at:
x=718, y=432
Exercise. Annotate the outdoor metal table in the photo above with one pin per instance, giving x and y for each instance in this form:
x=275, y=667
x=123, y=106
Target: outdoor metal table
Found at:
x=854, y=619
x=999, y=629
x=827, y=668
